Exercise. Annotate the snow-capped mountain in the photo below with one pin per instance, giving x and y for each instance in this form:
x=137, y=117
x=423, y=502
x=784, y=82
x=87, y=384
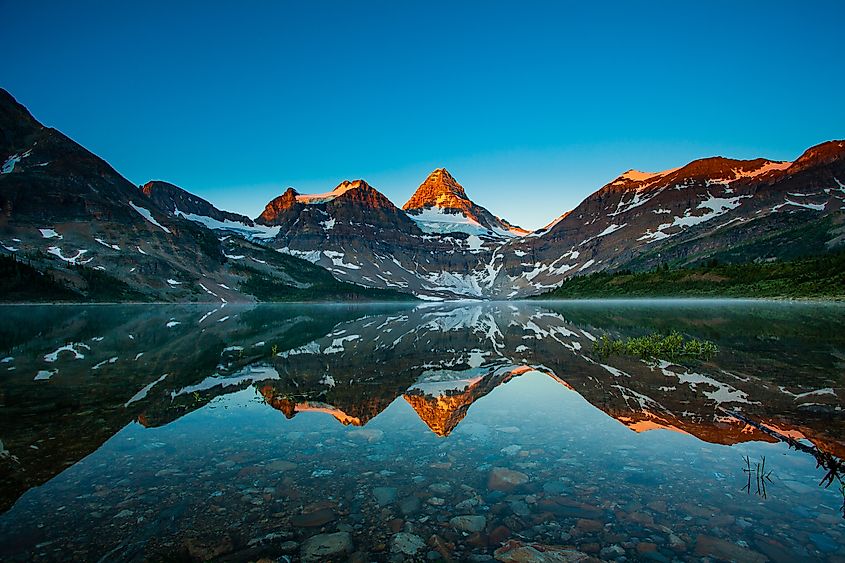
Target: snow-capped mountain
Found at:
x=440, y=205
x=66, y=210
x=732, y=210
x=360, y=236
x=181, y=203
x=351, y=203
x=77, y=230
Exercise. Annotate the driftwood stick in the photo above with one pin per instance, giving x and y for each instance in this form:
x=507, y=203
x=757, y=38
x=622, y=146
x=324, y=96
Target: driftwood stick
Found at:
x=827, y=461
x=773, y=433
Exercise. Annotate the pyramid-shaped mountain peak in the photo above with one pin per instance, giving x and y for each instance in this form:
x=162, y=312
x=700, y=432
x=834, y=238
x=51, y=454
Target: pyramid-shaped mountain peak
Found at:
x=441, y=205
x=440, y=189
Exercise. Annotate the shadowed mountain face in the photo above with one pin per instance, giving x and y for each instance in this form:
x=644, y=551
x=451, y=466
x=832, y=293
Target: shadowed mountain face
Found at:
x=179, y=202
x=69, y=387
x=65, y=208
x=84, y=233
x=441, y=244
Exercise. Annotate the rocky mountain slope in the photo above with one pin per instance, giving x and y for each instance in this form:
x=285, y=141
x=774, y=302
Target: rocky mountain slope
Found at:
x=360, y=236
x=181, y=203
x=714, y=208
x=68, y=213
x=357, y=234
x=70, y=218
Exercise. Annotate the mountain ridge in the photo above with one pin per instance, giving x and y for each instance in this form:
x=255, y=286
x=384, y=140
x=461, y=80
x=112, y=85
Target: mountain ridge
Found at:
x=168, y=195
x=57, y=198
x=68, y=215
x=686, y=215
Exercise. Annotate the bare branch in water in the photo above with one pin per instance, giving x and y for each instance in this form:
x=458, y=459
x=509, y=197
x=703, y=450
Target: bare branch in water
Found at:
x=834, y=467
x=760, y=476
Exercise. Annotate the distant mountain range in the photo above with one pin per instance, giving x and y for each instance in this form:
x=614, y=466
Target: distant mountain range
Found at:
x=69, y=217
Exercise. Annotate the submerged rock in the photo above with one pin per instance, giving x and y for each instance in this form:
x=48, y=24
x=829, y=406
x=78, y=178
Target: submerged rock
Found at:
x=499, y=534
x=407, y=543
x=502, y=479
x=554, y=488
x=468, y=504
x=327, y=547
x=280, y=465
x=612, y=552
x=468, y=523
x=676, y=543
x=440, y=488
x=313, y=519
x=708, y=546
x=441, y=546
x=518, y=552
x=409, y=505
x=384, y=495
x=209, y=548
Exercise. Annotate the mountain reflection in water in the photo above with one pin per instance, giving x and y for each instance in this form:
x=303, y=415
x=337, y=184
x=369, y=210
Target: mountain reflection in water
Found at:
x=522, y=377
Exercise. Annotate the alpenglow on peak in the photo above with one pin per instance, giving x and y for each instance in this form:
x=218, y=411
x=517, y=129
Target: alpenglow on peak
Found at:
x=441, y=205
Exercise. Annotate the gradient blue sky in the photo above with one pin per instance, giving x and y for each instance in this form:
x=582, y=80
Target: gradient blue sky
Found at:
x=530, y=105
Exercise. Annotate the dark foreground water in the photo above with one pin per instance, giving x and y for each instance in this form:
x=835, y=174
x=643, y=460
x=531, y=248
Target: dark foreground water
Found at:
x=398, y=433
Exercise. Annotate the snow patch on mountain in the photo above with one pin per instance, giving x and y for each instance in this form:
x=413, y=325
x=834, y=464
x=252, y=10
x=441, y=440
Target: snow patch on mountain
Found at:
x=437, y=383
x=714, y=206
x=813, y=206
x=453, y=282
x=337, y=344
x=312, y=256
x=721, y=393
x=337, y=259
x=107, y=245
x=260, y=232
x=736, y=173
x=610, y=229
x=146, y=214
x=9, y=165
x=140, y=395
x=76, y=259
x=641, y=177
x=249, y=374
x=49, y=233
x=311, y=199
x=438, y=221
x=71, y=348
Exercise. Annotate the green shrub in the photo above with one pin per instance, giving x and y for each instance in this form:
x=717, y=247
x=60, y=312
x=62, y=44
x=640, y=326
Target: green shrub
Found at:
x=656, y=346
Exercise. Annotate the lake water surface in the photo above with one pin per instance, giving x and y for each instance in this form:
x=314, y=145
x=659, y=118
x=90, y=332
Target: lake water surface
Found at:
x=391, y=433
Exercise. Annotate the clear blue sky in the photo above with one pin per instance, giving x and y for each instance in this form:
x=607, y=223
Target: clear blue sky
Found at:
x=531, y=105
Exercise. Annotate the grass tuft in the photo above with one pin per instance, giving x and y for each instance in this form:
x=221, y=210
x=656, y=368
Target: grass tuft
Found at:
x=672, y=346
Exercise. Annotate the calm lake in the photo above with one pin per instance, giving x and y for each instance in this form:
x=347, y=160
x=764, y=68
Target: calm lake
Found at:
x=391, y=433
